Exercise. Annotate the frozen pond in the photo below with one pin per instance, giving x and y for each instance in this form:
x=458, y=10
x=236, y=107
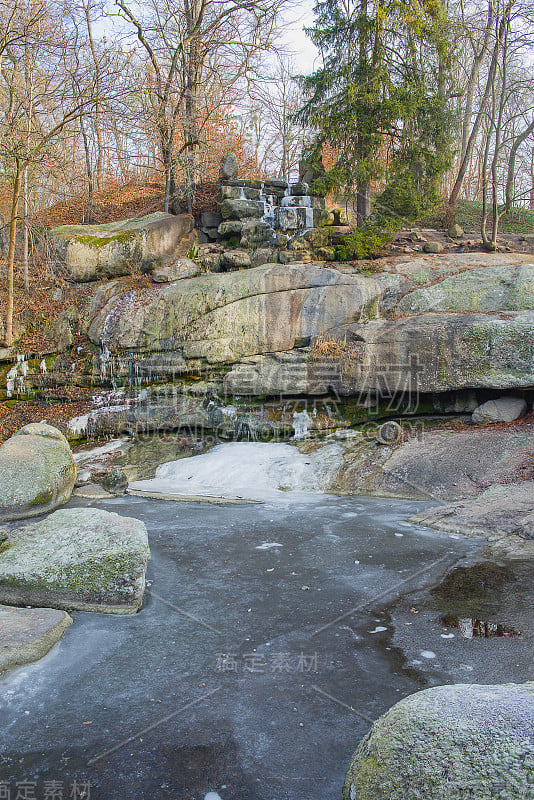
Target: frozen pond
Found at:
x=257, y=663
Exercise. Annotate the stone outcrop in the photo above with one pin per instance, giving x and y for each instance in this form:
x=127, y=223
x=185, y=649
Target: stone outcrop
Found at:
x=500, y=511
x=92, y=252
x=37, y=472
x=224, y=317
x=488, y=289
x=27, y=634
x=290, y=220
x=177, y=354
x=449, y=742
x=438, y=352
x=441, y=465
x=84, y=559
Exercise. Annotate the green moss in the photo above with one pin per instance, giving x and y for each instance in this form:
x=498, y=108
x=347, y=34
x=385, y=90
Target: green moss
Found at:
x=41, y=499
x=102, y=241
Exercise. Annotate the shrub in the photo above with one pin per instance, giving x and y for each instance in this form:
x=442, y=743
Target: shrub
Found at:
x=366, y=242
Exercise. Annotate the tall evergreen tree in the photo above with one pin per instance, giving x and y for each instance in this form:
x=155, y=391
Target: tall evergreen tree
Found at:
x=379, y=98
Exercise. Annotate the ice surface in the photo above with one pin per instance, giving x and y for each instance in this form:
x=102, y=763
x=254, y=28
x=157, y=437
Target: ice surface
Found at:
x=252, y=470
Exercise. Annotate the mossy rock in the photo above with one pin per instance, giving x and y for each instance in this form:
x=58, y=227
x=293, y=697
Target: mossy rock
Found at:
x=37, y=472
x=449, y=743
x=83, y=558
x=93, y=252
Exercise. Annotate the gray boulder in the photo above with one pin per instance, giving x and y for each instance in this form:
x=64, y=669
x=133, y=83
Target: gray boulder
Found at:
x=37, y=472
x=210, y=219
x=229, y=168
x=27, y=634
x=500, y=511
x=449, y=743
x=255, y=233
x=505, y=409
x=115, y=482
x=82, y=558
x=433, y=247
x=92, y=252
x=231, y=227
x=488, y=289
x=177, y=270
x=235, y=259
x=455, y=231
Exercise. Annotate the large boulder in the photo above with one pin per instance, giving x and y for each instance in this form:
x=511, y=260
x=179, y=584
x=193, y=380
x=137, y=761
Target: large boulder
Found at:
x=223, y=317
x=504, y=409
x=449, y=743
x=93, y=252
x=27, y=634
x=502, y=510
x=439, y=464
x=82, y=558
x=37, y=472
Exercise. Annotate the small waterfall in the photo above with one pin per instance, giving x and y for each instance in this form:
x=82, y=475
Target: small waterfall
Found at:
x=269, y=207
x=302, y=423
x=16, y=377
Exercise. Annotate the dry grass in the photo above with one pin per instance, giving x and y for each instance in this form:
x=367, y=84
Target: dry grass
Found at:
x=118, y=202
x=342, y=351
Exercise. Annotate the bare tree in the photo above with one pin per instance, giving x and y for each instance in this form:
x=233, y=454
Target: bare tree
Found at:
x=53, y=109
x=278, y=138
x=189, y=46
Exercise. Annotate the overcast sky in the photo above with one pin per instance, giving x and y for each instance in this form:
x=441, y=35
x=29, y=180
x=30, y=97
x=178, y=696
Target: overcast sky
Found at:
x=300, y=15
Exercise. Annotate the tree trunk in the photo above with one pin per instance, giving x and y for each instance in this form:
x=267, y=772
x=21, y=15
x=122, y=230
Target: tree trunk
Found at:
x=490, y=83
x=25, y=247
x=89, y=172
x=11, y=253
x=518, y=141
x=363, y=204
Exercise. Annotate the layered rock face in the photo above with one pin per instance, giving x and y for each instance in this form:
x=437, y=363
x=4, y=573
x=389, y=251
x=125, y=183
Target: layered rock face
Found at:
x=222, y=318
x=268, y=315
x=449, y=742
x=92, y=252
x=37, y=472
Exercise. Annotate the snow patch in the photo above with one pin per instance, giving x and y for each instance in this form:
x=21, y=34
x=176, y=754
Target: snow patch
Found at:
x=251, y=470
